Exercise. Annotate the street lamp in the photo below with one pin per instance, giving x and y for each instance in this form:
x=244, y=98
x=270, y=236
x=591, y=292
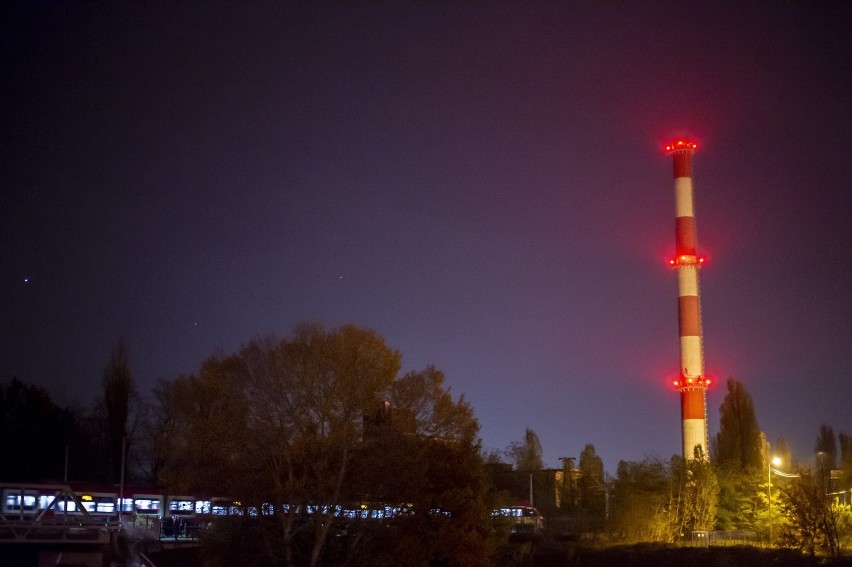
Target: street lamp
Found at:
x=777, y=462
x=821, y=458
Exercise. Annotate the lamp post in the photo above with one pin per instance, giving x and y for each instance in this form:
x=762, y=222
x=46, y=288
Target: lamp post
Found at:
x=774, y=461
x=822, y=483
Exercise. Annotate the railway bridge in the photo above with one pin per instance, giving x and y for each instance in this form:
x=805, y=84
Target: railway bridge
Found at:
x=56, y=528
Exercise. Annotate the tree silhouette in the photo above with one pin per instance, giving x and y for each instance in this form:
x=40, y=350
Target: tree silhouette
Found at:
x=527, y=454
x=738, y=444
x=34, y=434
x=119, y=390
x=826, y=449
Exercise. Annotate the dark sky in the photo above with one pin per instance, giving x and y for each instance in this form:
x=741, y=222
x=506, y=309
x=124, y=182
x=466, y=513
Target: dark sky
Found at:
x=481, y=183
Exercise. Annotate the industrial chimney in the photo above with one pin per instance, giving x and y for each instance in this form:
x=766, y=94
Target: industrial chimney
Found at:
x=692, y=383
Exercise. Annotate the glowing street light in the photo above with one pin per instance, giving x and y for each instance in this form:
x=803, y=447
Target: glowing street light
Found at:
x=777, y=462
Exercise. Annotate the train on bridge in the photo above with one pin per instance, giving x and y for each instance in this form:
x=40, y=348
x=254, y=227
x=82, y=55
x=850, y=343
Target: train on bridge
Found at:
x=35, y=512
x=32, y=511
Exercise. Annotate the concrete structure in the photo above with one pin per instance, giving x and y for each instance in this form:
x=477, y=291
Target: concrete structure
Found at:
x=692, y=383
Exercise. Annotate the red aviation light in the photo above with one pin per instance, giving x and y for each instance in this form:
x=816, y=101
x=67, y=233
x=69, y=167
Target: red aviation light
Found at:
x=687, y=260
x=686, y=382
x=680, y=145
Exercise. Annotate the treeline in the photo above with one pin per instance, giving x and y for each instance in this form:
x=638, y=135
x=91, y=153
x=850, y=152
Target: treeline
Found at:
x=749, y=488
x=327, y=416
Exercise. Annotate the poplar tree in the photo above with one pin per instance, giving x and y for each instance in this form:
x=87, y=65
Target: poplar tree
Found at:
x=738, y=443
x=119, y=391
x=738, y=455
x=826, y=448
x=527, y=454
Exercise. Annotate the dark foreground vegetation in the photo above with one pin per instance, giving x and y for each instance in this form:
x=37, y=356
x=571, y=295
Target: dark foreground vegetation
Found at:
x=653, y=555
x=558, y=554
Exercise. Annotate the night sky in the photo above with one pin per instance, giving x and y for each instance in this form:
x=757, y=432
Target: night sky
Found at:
x=481, y=183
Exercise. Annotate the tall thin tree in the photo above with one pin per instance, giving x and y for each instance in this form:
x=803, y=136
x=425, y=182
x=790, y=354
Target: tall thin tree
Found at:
x=527, y=454
x=118, y=390
x=738, y=444
x=826, y=447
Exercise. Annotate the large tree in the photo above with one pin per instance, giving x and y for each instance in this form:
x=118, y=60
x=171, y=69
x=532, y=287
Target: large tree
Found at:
x=738, y=444
x=287, y=415
x=738, y=454
x=320, y=418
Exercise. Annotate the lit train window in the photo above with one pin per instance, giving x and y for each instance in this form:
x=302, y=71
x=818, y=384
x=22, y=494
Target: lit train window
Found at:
x=98, y=504
x=44, y=501
x=64, y=505
x=147, y=506
x=126, y=504
x=12, y=502
x=104, y=504
x=181, y=507
x=202, y=507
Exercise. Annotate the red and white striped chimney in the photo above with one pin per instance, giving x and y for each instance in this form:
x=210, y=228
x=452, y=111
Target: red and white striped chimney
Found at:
x=692, y=383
